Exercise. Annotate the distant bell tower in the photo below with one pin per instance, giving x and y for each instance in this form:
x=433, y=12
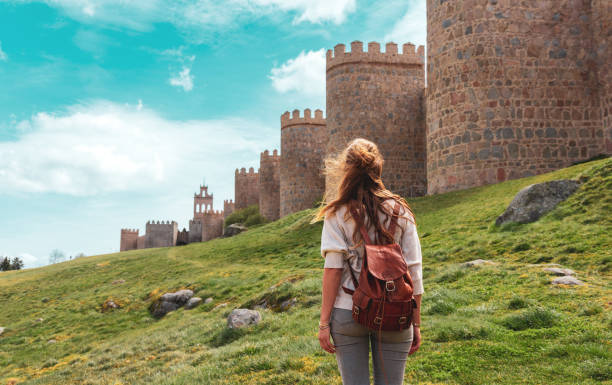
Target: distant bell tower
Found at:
x=202, y=202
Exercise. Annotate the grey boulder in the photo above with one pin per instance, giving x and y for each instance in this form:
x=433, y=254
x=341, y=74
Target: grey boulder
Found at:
x=567, y=280
x=535, y=200
x=478, y=262
x=1, y=330
x=559, y=271
x=208, y=300
x=243, y=317
x=234, y=229
x=180, y=297
x=193, y=302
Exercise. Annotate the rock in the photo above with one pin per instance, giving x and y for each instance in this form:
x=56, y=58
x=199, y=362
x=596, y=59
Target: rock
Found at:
x=233, y=229
x=535, y=200
x=193, y=302
x=567, y=280
x=208, y=300
x=243, y=317
x=39, y=319
x=118, y=282
x=285, y=305
x=162, y=308
x=1, y=330
x=224, y=304
x=559, y=271
x=478, y=262
x=45, y=300
x=52, y=341
x=180, y=297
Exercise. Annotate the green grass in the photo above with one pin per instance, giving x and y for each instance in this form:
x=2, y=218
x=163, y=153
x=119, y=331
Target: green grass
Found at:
x=493, y=324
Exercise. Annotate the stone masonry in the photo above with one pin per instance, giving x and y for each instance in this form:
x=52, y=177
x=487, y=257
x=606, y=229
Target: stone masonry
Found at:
x=129, y=239
x=513, y=88
x=162, y=234
x=228, y=208
x=302, y=183
x=379, y=96
x=246, y=190
x=269, y=185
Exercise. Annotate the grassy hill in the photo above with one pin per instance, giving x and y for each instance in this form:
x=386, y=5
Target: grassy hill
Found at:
x=495, y=324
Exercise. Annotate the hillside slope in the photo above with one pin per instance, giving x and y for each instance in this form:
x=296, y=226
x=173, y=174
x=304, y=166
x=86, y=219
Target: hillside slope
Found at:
x=502, y=324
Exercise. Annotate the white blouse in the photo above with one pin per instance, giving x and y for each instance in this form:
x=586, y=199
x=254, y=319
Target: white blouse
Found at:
x=337, y=247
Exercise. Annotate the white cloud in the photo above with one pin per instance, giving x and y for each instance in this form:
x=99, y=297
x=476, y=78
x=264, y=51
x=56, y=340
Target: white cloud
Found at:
x=3, y=55
x=412, y=27
x=304, y=74
x=199, y=15
x=108, y=147
x=183, y=79
x=315, y=11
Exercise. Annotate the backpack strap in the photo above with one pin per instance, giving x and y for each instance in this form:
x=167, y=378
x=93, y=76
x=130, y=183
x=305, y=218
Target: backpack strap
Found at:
x=393, y=224
x=362, y=229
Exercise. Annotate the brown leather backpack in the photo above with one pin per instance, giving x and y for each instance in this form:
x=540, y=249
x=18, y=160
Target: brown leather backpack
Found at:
x=383, y=296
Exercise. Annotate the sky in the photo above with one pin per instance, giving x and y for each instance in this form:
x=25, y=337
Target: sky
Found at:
x=113, y=112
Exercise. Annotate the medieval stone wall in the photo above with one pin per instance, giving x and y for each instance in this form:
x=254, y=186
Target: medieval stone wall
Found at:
x=212, y=225
x=195, y=230
x=228, y=208
x=378, y=96
x=601, y=16
x=269, y=185
x=511, y=91
x=246, y=189
x=162, y=234
x=141, y=242
x=129, y=239
x=303, y=146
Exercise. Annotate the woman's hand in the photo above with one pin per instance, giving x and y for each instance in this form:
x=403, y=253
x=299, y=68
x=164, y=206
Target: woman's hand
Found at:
x=416, y=340
x=325, y=341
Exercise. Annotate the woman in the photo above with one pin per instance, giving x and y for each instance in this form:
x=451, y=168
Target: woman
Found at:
x=358, y=169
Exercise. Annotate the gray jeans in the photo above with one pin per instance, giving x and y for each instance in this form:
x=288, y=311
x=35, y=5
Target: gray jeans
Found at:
x=352, y=342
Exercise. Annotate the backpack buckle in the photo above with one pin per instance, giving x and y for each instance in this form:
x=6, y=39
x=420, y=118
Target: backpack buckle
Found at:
x=356, y=310
x=402, y=320
x=390, y=285
x=377, y=320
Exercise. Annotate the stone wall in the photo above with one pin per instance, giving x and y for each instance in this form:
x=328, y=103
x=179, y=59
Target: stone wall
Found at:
x=141, y=242
x=303, y=146
x=246, y=189
x=162, y=234
x=195, y=230
x=601, y=16
x=129, y=239
x=212, y=225
x=228, y=208
x=510, y=90
x=269, y=185
x=378, y=96
x=182, y=237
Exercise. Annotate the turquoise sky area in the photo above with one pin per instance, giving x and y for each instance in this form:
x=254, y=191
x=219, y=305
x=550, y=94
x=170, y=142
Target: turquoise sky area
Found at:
x=113, y=112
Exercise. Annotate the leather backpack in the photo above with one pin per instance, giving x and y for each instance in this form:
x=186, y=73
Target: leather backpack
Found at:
x=383, y=297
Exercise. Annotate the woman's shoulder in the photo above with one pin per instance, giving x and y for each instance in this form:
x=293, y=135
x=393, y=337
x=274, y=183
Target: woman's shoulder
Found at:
x=404, y=212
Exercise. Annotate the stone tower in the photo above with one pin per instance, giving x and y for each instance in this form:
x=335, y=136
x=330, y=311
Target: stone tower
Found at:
x=228, y=208
x=162, y=234
x=202, y=202
x=246, y=190
x=129, y=239
x=269, y=185
x=601, y=16
x=303, y=146
x=379, y=96
x=512, y=90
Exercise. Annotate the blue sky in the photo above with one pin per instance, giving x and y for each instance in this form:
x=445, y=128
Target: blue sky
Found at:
x=113, y=112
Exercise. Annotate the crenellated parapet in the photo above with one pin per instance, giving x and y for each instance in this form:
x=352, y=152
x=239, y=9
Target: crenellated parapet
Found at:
x=228, y=208
x=128, y=240
x=410, y=55
x=129, y=231
x=161, y=233
x=246, y=190
x=294, y=119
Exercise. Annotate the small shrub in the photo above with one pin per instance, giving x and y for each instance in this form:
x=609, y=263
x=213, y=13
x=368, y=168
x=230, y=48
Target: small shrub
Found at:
x=248, y=217
x=522, y=247
x=517, y=303
x=225, y=336
x=461, y=332
x=591, y=309
x=534, y=318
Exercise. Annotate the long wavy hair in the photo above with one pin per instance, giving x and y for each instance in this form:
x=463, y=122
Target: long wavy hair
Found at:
x=358, y=168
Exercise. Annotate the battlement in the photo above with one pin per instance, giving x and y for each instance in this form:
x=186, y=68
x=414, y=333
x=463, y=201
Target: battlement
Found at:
x=203, y=193
x=162, y=223
x=409, y=55
x=228, y=201
x=129, y=231
x=266, y=157
x=243, y=172
x=294, y=119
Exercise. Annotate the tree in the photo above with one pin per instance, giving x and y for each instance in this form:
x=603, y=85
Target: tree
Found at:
x=79, y=255
x=56, y=256
x=5, y=264
x=16, y=264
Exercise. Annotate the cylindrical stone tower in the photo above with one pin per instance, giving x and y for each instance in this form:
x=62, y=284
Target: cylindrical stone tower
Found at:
x=378, y=96
x=302, y=183
x=269, y=185
x=511, y=90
